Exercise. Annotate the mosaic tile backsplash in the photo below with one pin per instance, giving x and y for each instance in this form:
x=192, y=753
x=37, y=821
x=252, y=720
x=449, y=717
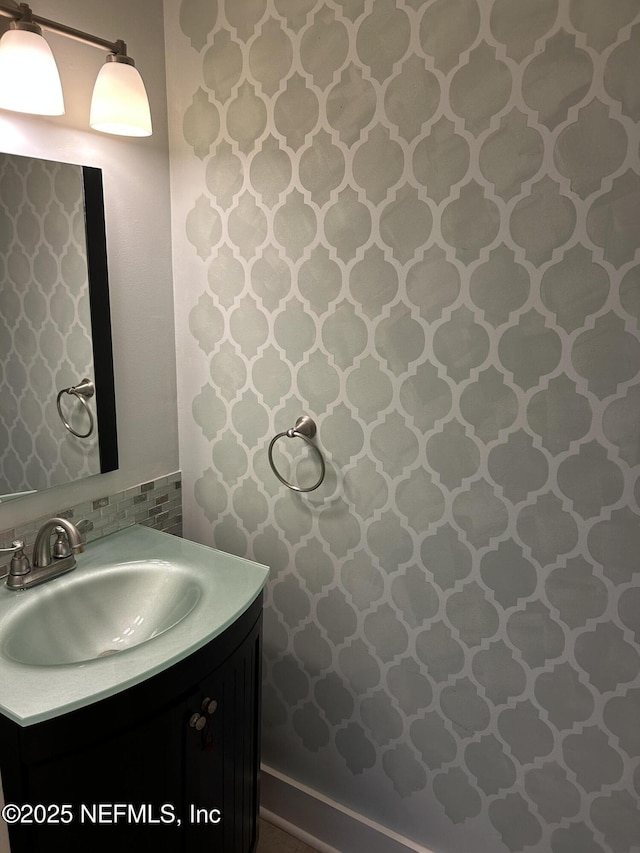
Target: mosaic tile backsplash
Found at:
x=419, y=222
x=155, y=504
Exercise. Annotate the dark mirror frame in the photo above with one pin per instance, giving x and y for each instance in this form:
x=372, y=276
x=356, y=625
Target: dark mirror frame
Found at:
x=100, y=317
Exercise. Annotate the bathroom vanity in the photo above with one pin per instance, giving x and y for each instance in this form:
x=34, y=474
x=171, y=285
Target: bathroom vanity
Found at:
x=164, y=746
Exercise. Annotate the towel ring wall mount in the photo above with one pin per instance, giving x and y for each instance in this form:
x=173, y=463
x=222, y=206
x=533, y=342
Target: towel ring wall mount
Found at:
x=305, y=428
x=82, y=392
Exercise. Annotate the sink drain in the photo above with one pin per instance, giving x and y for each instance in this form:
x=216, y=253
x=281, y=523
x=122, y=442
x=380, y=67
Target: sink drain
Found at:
x=107, y=652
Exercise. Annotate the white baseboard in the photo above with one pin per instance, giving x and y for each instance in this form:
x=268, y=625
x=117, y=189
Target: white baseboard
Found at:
x=321, y=822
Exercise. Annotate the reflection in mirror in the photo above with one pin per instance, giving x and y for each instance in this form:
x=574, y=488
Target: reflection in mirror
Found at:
x=55, y=328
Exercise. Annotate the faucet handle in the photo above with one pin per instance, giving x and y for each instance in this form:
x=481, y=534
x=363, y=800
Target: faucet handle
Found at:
x=18, y=544
x=61, y=547
x=19, y=565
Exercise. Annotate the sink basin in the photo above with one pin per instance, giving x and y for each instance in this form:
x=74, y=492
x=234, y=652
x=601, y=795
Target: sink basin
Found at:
x=100, y=614
x=139, y=601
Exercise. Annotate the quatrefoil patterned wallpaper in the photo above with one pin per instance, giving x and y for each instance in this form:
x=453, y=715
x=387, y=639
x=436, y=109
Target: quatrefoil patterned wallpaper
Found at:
x=419, y=222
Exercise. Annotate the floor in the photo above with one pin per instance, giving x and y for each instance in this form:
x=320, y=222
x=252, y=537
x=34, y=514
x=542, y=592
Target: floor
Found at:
x=274, y=840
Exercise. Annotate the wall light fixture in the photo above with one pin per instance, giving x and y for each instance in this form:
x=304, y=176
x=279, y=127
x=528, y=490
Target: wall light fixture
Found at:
x=30, y=82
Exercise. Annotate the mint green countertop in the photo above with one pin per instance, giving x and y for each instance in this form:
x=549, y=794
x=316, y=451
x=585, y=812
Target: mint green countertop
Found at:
x=138, y=602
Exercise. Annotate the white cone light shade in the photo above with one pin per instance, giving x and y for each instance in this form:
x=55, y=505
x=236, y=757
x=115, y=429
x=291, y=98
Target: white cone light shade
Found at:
x=120, y=104
x=29, y=78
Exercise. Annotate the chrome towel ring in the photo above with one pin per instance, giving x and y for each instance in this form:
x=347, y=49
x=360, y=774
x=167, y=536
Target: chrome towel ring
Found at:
x=82, y=392
x=305, y=428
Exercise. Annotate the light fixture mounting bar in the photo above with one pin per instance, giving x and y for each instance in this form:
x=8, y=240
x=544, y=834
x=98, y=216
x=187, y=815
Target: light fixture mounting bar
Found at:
x=23, y=12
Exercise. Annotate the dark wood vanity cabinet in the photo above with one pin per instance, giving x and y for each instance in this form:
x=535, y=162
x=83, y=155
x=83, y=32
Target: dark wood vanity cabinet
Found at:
x=173, y=761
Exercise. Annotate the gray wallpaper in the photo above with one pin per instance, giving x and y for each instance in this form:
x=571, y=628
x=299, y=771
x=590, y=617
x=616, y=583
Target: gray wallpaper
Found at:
x=419, y=222
x=45, y=324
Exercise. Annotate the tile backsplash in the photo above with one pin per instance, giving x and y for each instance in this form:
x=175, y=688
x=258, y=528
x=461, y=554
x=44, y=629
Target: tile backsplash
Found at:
x=155, y=504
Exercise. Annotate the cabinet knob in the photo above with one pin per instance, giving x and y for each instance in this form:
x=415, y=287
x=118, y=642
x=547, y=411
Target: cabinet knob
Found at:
x=197, y=722
x=209, y=706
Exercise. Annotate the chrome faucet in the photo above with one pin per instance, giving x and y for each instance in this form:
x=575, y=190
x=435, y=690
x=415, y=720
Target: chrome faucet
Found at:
x=48, y=561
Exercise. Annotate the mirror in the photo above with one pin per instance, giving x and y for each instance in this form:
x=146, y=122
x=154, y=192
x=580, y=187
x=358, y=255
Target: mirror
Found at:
x=55, y=327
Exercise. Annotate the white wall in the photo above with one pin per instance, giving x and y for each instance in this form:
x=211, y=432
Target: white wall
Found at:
x=136, y=188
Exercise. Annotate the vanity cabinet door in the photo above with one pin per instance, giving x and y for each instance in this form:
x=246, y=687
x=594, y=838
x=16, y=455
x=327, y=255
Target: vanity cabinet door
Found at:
x=223, y=756
x=115, y=783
